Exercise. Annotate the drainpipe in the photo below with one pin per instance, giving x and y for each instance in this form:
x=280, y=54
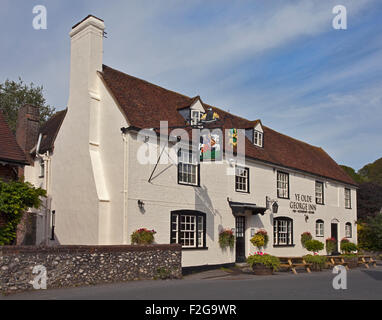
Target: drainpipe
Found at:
x=47, y=160
x=125, y=185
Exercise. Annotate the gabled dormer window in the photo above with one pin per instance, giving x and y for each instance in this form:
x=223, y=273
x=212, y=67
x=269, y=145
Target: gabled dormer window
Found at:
x=258, y=138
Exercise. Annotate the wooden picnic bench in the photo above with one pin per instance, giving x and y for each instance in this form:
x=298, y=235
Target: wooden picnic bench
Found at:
x=291, y=263
x=366, y=260
x=337, y=261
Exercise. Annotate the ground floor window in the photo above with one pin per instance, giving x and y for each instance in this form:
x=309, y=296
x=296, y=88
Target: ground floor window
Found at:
x=282, y=231
x=348, y=231
x=319, y=228
x=188, y=228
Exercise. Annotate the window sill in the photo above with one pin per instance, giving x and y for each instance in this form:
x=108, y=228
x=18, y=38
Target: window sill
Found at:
x=192, y=249
x=239, y=191
x=189, y=184
x=283, y=245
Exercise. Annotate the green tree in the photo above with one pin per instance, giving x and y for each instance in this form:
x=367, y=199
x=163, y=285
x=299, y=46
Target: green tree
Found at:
x=370, y=233
x=15, y=198
x=15, y=94
x=353, y=174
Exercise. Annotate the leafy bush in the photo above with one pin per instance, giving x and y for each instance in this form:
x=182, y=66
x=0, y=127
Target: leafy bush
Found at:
x=370, y=234
x=330, y=245
x=260, y=239
x=226, y=239
x=316, y=260
x=306, y=236
x=344, y=240
x=314, y=245
x=348, y=247
x=15, y=198
x=264, y=259
x=142, y=236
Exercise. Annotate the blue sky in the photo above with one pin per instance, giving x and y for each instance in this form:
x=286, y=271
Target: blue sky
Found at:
x=280, y=61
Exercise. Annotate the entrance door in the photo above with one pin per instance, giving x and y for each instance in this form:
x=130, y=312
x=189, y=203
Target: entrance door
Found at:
x=240, y=239
x=334, y=235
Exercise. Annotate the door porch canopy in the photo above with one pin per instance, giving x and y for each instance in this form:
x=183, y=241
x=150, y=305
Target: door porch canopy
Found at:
x=239, y=207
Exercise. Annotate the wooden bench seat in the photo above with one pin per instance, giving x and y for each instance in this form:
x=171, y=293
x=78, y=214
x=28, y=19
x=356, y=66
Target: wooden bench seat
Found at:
x=337, y=261
x=366, y=261
x=291, y=263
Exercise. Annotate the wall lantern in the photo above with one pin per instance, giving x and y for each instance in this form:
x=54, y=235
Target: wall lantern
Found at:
x=141, y=204
x=53, y=223
x=275, y=205
x=306, y=218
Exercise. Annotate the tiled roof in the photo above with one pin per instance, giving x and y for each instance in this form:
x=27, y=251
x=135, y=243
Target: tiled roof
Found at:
x=10, y=151
x=145, y=105
x=49, y=131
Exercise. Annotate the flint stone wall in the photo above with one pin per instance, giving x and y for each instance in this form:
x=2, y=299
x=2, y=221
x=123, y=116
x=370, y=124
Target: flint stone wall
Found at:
x=69, y=266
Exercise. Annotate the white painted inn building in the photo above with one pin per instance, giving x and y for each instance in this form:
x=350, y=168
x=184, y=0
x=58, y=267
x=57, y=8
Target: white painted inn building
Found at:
x=101, y=193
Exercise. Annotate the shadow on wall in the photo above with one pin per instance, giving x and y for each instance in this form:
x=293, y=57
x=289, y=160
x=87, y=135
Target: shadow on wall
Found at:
x=203, y=203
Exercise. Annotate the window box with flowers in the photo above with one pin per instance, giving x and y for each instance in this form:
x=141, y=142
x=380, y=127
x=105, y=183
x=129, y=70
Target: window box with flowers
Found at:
x=226, y=239
x=263, y=264
x=143, y=236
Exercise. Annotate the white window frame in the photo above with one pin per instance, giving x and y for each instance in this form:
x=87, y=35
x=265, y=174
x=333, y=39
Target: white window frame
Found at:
x=320, y=228
x=188, y=229
x=194, y=120
x=258, y=138
x=347, y=198
x=283, y=232
x=241, y=179
x=348, y=230
x=282, y=185
x=188, y=167
x=319, y=191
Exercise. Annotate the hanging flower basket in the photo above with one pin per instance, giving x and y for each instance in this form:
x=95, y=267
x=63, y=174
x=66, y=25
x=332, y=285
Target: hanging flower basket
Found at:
x=226, y=239
x=260, y=239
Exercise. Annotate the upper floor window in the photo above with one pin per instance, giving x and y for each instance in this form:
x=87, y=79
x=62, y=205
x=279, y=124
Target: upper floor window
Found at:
x=319, y=228
x=188, y=167
x=42, y=169
x=188, y=228
x=348, y=231
x=282, y=231
x=347, y=198
x=282, y=185
x=319, y=192
x=258, y=138
x=241, y=179
x=195, y=117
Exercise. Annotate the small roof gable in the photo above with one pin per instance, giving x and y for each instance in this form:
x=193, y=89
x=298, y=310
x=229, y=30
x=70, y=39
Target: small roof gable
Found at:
x=145, y=104
x=10, y=151
x=49, y=131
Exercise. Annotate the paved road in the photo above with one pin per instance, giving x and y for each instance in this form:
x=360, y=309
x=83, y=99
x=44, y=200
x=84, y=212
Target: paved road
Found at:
x=361, y=284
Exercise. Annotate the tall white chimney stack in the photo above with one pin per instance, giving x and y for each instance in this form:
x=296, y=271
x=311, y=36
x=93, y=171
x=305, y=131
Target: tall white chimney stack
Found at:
x=85, y=56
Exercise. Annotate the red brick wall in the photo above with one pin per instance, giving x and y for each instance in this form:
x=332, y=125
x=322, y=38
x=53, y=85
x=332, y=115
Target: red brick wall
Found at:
x=8, y=173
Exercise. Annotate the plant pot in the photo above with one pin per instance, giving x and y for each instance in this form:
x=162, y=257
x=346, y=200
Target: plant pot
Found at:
x=352, y=262
x=261, y=270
